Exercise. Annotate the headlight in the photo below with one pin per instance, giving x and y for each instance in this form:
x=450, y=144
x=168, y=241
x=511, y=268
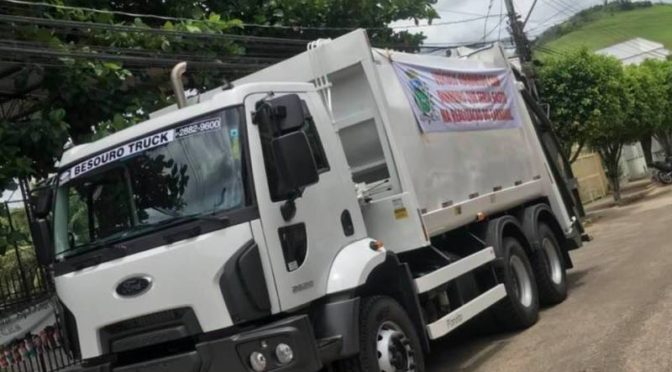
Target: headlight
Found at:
x=284, y=353
x=258, y=361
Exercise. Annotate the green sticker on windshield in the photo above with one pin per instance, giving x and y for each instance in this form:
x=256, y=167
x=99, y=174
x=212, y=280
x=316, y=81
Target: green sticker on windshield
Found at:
x=235, y=143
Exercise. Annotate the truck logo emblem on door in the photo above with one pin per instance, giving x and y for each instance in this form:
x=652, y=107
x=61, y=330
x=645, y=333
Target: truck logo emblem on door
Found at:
x=302, y=286
x=134, y=286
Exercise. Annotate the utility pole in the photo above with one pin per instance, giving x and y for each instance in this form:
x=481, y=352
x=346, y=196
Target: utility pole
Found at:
x=523, y=47
x=524, y=51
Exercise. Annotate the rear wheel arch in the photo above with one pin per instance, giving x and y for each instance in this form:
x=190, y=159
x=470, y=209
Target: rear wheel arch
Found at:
x=506, y=226
x=537, y=214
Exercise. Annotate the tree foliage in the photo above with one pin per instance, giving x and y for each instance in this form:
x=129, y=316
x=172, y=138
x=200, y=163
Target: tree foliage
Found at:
x=19, y=235
x=582, y=91
x=658, y=87
x=597, y=102
x=87, y=98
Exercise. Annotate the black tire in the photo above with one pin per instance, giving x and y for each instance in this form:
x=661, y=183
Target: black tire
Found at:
x=665, y=178
x=549, y=269
x=374, y=313
x=520, y=309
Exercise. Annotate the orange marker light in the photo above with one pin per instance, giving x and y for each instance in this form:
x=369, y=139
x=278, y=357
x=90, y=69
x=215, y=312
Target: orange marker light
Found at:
x=376, y=245
x=480, y=216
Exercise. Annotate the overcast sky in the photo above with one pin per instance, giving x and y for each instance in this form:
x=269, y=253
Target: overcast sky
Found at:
x=546, y=13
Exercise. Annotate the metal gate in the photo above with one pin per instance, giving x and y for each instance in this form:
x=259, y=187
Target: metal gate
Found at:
x=31, y=349
x=26, y=289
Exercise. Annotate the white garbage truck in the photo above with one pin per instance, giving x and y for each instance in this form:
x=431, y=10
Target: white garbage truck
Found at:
x=338, y=210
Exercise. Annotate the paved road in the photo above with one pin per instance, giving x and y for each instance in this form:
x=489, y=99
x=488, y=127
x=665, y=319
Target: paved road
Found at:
x=618, y=316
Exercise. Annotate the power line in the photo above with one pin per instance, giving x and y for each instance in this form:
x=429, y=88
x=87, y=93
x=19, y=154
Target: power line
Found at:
x=457, y=12
x=487, y=16
x=142, y=61
x=122, y=28
x=134, y=15
x=499, y=24
x=251, y=25
x=544, y=22
x=562, y=8
x=529, y=12
x=141, y=52
x=501, y=19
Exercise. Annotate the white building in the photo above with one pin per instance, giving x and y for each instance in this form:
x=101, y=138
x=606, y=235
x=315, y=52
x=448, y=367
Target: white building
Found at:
x=636, y=51
x=631, y=52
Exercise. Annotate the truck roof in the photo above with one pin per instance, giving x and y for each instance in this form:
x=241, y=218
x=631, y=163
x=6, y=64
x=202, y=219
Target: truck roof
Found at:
x=213, y=102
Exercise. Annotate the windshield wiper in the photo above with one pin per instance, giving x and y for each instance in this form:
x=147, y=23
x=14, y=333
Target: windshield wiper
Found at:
x=190, y=232
x=109, y=241
x=114, y=241
x=219, y=218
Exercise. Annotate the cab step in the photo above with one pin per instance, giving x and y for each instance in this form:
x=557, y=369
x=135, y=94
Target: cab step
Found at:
x=454, y=270
x=465, y=312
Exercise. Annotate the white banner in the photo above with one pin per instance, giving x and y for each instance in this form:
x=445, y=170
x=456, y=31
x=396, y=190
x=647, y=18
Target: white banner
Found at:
x=446, y=100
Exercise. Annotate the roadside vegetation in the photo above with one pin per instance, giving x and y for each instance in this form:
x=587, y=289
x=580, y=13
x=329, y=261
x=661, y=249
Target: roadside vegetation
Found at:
x=598, y=103
x=599, y=27
x=105, y=70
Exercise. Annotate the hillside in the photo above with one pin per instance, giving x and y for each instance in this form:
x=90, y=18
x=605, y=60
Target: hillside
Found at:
x=603, y=28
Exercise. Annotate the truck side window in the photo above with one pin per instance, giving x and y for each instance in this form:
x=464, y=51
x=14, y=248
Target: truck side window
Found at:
x=319, y=155
x=316, y=145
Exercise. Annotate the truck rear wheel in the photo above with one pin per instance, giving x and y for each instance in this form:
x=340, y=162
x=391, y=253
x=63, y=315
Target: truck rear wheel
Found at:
x=549, y=268
x=520, y=309
x=388, y=340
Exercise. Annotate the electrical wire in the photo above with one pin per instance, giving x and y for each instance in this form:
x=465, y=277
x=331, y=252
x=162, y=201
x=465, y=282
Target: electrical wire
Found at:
x=501, y=20
x=487, y=16
x=114, y=57
x=124, y=28
x=433, y=24
x=78, y=27
x=251, y=25
x=499, y=24
x=457, y=12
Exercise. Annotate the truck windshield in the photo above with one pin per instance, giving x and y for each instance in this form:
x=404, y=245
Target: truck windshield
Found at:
x=150, y=183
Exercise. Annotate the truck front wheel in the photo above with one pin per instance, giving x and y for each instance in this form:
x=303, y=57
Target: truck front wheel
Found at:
x=388, y=340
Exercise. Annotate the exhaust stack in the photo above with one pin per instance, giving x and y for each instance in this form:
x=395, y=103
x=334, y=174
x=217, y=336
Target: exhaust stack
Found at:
x=178, y=87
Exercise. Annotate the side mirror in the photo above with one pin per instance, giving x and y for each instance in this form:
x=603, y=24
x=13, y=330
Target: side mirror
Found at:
x=296, y=165
x=285, y=114
x=40, y=200
x=44, y=247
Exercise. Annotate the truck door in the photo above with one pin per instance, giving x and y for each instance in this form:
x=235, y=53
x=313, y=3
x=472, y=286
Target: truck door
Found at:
x=302, y=245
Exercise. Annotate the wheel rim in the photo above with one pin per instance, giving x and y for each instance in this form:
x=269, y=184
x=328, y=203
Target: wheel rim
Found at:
x=665, y=177
x=553, y=264
x=395, y=352
x=522, y=284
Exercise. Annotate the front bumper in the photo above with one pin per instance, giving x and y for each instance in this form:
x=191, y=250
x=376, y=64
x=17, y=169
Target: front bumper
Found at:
x=232, y=353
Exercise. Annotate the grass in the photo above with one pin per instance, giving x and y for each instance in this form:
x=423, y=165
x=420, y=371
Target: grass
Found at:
x=612, y=27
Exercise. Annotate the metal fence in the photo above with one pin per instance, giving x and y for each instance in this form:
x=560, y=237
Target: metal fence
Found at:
x=20, y=289
x=24, y=289
x=21, y=293
x=41, y=353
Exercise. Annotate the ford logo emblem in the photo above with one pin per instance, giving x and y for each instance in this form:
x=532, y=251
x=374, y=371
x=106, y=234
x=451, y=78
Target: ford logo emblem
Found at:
x=134, y=286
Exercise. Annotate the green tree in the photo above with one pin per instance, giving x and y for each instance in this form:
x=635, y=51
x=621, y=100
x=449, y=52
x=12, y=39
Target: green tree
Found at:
x=589, y=102
x=648, y=101
x=616, y=126
x=577, y=92
x=19, y=236
x=659, y=87
x=89, y=97
x=301, y=16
